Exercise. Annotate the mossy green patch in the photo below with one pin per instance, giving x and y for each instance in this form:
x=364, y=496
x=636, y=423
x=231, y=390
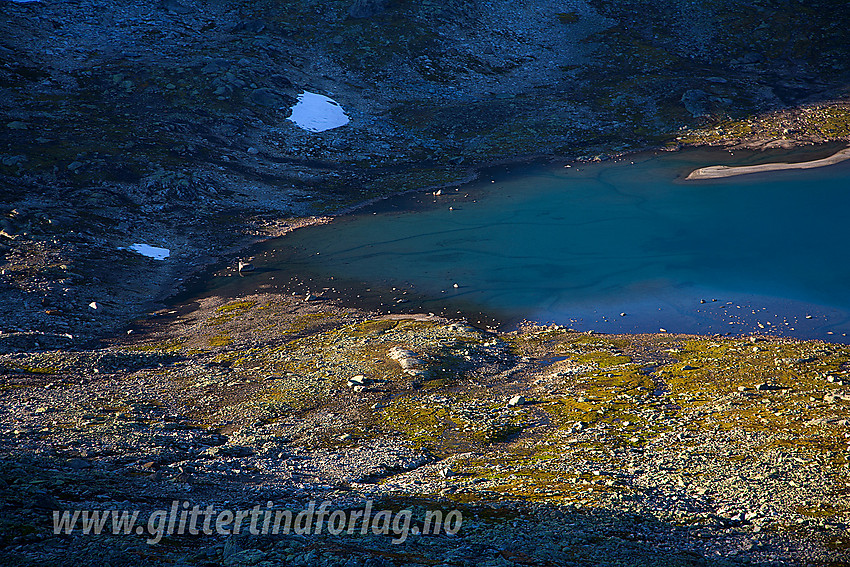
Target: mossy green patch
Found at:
x=29, y=369
x=568, y=17
x=230, y=311
x=220, y=340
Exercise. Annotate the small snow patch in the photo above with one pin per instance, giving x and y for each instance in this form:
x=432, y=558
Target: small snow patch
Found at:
x=150, y=251
x=317, y=113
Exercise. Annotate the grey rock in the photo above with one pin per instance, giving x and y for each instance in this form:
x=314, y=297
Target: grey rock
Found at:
x=78, y=464
x=696, y=102
x=408, y=360
x=216, y=66
x=409, y=363
x=11, y=161
x=266, y=97
x=42, y=501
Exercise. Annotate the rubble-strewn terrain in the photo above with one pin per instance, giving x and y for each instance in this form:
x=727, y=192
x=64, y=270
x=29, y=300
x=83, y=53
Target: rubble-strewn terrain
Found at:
x=559, y=447
x=165, y=123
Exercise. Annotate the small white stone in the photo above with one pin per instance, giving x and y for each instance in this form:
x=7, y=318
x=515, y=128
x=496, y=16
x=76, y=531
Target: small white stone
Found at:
x=358, y=381
x=516, y=401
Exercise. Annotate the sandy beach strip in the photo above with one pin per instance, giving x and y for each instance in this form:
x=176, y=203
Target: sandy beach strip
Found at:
x=718, y=171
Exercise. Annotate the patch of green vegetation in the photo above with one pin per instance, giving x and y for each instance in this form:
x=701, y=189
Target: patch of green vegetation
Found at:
x=568, y=17
x=236, y=306
x=603, y=359
x=29, y=369
x=760, y=388
x=367, y=329
x=822, y=510
x=825, y=123
x=309, y=321
x=283, y=400
x=230, y=311
x=831, y=122
x=448, y=428
x=523, y=475
x=220, y=340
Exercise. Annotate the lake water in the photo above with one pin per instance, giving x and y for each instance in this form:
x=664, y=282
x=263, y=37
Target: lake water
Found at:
x=582, y=245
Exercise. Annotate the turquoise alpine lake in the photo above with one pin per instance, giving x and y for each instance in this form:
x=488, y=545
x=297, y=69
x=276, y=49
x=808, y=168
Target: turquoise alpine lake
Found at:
x=617, y=246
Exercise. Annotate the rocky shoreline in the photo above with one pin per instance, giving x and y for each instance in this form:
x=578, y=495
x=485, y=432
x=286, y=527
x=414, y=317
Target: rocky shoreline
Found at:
x=166, y=125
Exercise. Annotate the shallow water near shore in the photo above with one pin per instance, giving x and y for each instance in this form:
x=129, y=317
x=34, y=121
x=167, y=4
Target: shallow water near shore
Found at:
x=620, y=246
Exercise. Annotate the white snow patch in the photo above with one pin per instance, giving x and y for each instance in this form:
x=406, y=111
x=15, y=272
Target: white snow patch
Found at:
x=150, y=251
x=317, y=113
